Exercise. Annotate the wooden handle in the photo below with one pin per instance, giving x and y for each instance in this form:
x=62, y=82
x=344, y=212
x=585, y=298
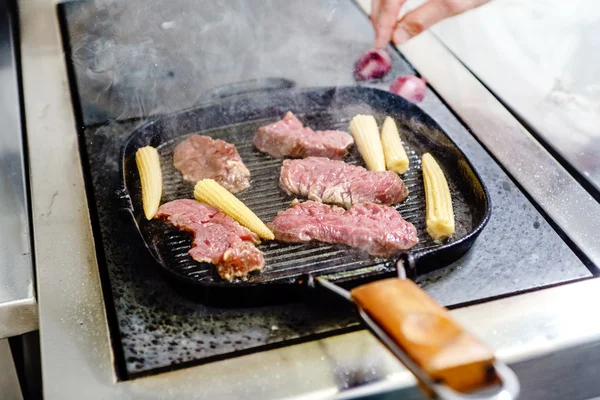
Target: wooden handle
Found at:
x=428, y=334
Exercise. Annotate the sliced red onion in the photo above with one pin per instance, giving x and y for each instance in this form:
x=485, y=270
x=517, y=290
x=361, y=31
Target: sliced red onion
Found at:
x=410, y=87
x=373, y=64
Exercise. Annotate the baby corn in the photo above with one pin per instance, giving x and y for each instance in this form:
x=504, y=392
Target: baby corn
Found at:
x=395, y=156
x=366, y=135
x=210, y=192
x=440, y=216
x=148, y=164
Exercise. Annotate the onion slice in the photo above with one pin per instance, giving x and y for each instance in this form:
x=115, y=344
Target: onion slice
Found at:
x=374, y=64
x=410, y=87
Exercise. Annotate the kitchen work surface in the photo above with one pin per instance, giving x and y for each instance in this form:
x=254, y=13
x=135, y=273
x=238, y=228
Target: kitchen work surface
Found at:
x=541, y=59
x=126, y=71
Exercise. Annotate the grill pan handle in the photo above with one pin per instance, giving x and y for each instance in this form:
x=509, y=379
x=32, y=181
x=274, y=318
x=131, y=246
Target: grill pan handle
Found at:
x=449, y=362
x=247, y=87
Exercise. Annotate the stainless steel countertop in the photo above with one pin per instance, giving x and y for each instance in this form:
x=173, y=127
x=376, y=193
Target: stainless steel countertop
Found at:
x=568, y=204
x=76, y=352
x=18, y=310
x=542, y=58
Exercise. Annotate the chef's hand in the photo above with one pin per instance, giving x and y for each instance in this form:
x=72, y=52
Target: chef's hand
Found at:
x=385, y=12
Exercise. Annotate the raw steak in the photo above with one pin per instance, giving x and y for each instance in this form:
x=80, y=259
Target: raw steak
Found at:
x=218, y=239
x=335, y=182
x=288, y=137
x=378, y=230
x=199, y=157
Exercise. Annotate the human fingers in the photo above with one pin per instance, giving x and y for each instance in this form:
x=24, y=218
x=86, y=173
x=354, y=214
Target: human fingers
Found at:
x=385, y=21
x=423, y=17
x=375, y=8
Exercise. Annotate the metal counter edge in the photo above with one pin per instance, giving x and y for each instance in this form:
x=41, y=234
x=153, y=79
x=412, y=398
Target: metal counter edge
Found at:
x=18, y=307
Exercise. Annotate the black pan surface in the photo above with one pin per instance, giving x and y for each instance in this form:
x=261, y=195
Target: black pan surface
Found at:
x=236, y=120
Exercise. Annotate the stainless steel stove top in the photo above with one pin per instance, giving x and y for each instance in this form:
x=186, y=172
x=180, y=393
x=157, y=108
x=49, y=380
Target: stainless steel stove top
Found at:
x=75, y=339
x=133, y=75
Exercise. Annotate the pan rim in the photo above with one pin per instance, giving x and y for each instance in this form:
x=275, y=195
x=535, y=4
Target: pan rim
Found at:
x=127, y=205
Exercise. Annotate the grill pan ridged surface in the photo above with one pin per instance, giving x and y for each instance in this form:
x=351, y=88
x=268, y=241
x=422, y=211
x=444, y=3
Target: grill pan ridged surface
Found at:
x=290, y=263
x=265, y=198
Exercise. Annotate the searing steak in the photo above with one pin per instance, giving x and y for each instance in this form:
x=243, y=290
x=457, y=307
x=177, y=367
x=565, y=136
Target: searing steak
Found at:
x=288, y=137
x=379, y=230
x=199, y=157
x=218, y=239
x=335, y=182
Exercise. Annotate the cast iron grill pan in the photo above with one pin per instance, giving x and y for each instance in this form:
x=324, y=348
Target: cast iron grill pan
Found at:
x=236, y=121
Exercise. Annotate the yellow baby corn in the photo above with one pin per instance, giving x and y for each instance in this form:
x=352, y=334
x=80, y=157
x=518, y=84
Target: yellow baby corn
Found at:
x=148, y=164
x=440, y=216
x=395, y=156
x=366, y=135
x=210, y=192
